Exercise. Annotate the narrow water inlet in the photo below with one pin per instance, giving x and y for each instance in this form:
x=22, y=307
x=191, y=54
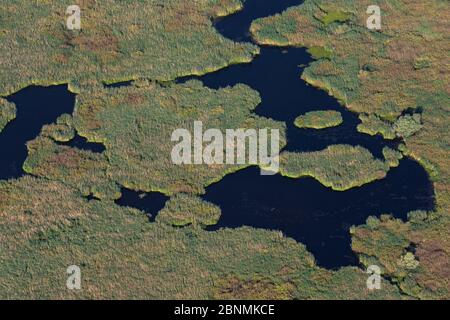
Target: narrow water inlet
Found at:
x=149, y=202
x=82, y=144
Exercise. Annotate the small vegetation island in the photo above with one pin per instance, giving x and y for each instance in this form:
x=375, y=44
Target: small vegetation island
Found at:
x=135, y=123
x=340, y=167
x=319, y=119
x=184, y=209
x=7, y=113
x=63, y=210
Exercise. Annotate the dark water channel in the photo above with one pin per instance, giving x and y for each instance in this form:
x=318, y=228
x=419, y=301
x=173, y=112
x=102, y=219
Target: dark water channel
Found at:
x=304, y=209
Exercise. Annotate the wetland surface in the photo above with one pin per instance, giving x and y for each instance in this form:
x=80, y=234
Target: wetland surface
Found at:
x=302, y=208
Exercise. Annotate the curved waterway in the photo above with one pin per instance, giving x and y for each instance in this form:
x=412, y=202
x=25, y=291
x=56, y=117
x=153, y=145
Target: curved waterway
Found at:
x=304, y=209
x=275, y=74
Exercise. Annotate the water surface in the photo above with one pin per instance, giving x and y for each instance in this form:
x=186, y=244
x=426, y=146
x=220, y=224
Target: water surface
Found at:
x=314, y=215
x=36, y=107
x=149, y=202
x=82, y=143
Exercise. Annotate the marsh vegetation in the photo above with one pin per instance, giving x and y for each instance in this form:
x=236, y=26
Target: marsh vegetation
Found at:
x=383, y=80
x=72, y=206
x=319, y=119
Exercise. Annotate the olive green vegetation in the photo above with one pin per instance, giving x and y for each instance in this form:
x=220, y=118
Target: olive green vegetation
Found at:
x=381, y=74
x=46, y=223
x=46, y=226
x=7, y=113
x=119, y=40
x=392, y=156
x=371, y=124
x=407, y=252
x=320, y=52
x=136, y=124
x=335, y=16
x=319, y=119
x=82, y=169
x=403, y=127
x=62, y=130
x=85, y=170
x=185, y=209
x=408, y=125
x=340, y=167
